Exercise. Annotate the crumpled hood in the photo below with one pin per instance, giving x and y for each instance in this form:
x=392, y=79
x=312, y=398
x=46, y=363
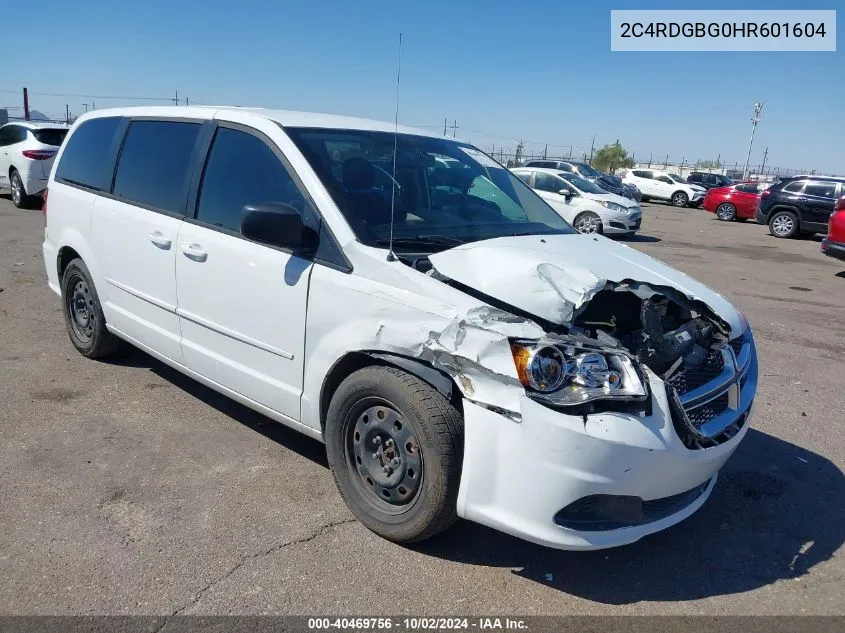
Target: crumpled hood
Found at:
x=551, y=276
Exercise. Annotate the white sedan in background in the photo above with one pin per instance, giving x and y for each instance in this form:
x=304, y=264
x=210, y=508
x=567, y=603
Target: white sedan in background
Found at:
x=587, y=207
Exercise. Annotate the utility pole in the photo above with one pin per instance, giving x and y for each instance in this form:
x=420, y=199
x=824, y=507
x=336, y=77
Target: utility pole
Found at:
x=26, y=104
x=186, y=101
x=67, y=114
x=758, y=108
x=765, y=155
x=93, y=105
x=592, y=147
x=570, y=152
x=445, y=121
x=454, y=129
x=86, y=106
x=176, y=100
x=546, y=151
x=650, y=155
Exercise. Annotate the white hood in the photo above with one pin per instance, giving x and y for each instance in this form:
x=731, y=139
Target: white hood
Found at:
x=612, y=197
x=551, y=276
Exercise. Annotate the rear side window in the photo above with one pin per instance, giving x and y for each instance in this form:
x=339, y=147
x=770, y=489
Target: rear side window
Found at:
x=820, y=189
x=12, y=134
x=750, y=187
x=155, y=163
x=794, y=187
x=86, y=158
x=53, y=137
x=641, y=174
x=242, y=170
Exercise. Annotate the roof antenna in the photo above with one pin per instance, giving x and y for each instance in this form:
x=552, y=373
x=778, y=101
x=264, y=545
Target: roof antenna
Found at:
x=391, y=256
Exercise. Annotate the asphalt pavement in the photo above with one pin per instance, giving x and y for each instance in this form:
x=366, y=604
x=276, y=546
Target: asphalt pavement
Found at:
x=126, y=488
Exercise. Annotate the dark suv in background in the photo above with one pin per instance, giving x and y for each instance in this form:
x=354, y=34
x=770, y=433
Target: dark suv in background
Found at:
x=709, y=181
x=800, y=204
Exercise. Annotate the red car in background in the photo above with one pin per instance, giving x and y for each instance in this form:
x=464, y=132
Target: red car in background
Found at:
x=737, y=202
x=834, y=243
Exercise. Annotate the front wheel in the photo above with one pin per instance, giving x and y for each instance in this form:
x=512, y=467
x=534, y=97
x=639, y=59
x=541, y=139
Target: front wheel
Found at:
x=395, y=446
x=726, y=212
x=588, y=222
x=680, y=199
x=783, y=224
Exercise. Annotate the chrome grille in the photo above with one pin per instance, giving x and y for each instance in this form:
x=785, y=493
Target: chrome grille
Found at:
x=711, y=402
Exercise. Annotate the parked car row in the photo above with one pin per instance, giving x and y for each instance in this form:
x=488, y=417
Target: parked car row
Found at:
x=27, y=151
x=661, y=185
x=608, y=182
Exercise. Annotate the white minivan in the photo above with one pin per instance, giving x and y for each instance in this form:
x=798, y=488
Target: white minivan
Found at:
x=400, y=296
x=586, y=206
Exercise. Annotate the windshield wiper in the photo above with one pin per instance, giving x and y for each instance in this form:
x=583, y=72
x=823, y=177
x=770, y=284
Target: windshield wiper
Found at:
x=422, y=240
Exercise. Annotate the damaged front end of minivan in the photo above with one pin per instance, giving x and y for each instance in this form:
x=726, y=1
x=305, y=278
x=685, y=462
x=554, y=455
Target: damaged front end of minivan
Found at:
x=597, y=410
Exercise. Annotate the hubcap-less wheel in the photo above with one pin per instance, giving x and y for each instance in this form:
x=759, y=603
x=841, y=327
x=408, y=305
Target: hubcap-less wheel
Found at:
x=588, y=223
x=80, y=307
x=17, y=189
x=680, y=199
x=386, y=454
x=725, y=212
x=783, y=225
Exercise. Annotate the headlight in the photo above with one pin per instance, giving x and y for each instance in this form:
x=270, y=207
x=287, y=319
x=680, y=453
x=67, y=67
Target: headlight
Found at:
x=633, y=210
x=612, y=206
x=566, y=375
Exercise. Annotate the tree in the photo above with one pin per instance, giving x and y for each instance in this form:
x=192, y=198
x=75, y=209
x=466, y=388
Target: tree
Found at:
x=612, y=157
x=709, y=164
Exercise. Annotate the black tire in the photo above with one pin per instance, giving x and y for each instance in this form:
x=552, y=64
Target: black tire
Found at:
x=784, y=224
x=679, y=199
x=726, y=212
x=426, y=452
x=84, y=320
x=588, y=223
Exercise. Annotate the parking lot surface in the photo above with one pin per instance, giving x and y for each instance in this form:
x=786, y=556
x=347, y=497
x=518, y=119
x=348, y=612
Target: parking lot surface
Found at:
x=126, y=488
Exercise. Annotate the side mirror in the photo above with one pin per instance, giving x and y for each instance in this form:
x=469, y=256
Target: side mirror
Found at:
x=566, y=193
x=276, y=224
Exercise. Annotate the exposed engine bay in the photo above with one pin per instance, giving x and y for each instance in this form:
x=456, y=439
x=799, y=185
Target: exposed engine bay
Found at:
x=659, y=328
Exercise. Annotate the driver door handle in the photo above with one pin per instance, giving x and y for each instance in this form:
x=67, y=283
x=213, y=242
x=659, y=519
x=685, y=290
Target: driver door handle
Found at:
x=194, y=251
x=157, y=238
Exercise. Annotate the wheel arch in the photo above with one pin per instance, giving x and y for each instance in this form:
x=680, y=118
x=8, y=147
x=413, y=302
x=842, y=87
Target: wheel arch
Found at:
x=353, y=361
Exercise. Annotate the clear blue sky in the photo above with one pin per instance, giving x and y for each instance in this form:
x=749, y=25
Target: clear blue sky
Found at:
x=540, y=71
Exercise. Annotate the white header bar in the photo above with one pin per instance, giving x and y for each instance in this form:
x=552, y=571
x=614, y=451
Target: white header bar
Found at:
x=710, y=30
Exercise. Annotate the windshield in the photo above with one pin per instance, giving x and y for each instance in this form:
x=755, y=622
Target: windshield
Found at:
x=445, y=193
x=678, y=179
x=587, y=171
x=50, y=136
x=585, y=186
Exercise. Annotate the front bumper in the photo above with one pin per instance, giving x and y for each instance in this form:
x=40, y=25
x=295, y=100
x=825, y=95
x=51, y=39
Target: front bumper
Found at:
x=622, y=224
x=833, y=249
x=518, y=476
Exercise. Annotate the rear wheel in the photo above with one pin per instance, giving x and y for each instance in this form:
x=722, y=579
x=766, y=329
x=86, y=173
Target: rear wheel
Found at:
x=83, y=314
x=783, y=224
x=726, y=212
x=680, y=199
x=395, y=447
x=19, y=197
x=588, y=222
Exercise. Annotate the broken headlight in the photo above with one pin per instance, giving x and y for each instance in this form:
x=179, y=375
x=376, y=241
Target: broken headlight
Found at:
x=565, y=375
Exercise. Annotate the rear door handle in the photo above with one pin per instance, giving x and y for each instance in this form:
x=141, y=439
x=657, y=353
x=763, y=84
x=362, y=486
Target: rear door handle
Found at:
x=195, y=252
x=157, y=238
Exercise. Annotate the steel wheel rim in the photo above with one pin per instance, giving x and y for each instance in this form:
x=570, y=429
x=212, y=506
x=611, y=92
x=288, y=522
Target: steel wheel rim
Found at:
x=17, y=194
x=725, y=212
x=679, y=200
x=80, y=307
x=385, y=456
x=782, y=225
x=588, y=224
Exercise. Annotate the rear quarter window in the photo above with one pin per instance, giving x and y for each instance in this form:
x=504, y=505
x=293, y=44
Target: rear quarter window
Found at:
x=87, y=159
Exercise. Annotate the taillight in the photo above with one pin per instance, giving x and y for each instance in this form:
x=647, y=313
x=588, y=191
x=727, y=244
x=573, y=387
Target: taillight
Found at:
x=44, y=208
x=38, y=154
x=766, y=193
